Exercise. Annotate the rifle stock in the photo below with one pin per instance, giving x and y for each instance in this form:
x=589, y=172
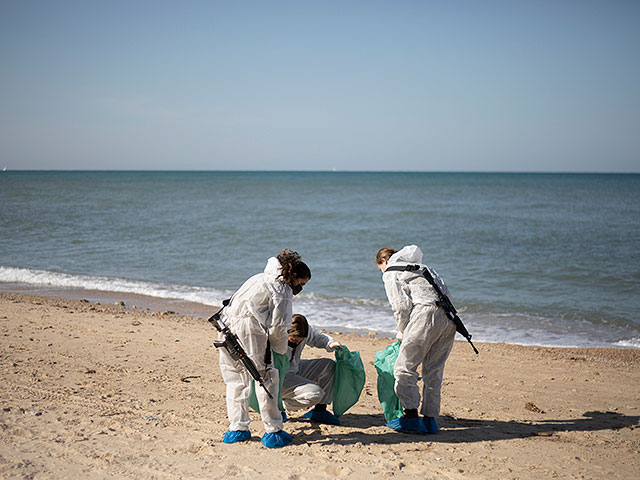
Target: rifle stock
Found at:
x=461, y=329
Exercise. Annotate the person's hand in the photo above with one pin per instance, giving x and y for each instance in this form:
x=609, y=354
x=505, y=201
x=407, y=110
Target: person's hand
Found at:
x=335, y=345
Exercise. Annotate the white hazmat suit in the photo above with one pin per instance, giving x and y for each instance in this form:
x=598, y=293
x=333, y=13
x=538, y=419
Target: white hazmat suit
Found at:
x=426, y=332
x=259, y=311
x=309, y=382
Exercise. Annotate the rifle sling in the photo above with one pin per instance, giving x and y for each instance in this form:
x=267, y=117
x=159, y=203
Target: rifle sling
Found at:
x=425, y=274
x=443, y=301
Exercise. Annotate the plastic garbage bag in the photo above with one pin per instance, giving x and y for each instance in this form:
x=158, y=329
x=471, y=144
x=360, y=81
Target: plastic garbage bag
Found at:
x=281, y=363
x=384, y=362
x=348, y=381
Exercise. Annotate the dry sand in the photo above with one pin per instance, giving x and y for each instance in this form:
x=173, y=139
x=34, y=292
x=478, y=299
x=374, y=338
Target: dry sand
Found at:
x=104, y=391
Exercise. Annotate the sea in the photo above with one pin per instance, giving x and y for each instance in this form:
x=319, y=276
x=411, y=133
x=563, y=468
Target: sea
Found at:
x=529, y=258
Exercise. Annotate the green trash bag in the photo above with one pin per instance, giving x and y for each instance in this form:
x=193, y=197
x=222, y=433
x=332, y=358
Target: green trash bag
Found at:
x=384, y=362
x=348, y=381
x=281, y=363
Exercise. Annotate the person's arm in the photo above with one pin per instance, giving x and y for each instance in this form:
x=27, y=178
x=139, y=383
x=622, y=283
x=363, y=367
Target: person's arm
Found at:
x=318, y=339
x=399, y=299
x=280, y=323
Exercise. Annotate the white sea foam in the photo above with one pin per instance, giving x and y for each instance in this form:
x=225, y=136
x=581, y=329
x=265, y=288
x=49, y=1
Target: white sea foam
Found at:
x=109, y=284
x=350, y=313
x=345, y=312
x=631, y=343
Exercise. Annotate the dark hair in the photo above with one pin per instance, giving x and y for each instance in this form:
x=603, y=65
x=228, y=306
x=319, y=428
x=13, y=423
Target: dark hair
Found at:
x=292, y=266
x=299, y=326
x=384, y=254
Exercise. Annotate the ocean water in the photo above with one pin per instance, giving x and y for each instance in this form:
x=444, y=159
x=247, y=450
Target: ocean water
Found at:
x=536, y=259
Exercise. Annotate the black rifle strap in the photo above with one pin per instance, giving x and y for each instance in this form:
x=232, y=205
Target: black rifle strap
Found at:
x=414, y=268
x=402, y=268
x=224, y=304
x=427, y=275
x=267, y=354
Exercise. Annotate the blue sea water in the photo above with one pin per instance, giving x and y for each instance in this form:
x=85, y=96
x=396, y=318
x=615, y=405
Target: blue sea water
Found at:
x=541, y=259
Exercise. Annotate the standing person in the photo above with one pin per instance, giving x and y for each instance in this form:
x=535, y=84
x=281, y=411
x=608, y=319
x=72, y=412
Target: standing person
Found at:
x=259, y=313
x=426, y=334
x=309, y=383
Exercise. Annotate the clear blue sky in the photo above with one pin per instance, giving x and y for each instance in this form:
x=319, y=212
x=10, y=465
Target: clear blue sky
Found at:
x=315, y=85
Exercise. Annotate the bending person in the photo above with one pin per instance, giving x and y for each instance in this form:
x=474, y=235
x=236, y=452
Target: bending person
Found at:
x=426, y=334
x=259, y=313
x=309, y=383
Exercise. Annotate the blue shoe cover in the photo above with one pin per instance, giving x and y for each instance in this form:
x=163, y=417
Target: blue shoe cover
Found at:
x=233, y=436
x=431, y=424
x=409, y=425
x=277, y=439
x=284, y=416
x=322, y=417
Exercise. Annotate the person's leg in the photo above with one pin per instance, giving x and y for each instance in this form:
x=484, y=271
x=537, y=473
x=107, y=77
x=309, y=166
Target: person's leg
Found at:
x=320, y=371
x=238, y=386
x=275, y=436
x=269, y=411
x=415, y=343
x=299, y=392
x=443, y=331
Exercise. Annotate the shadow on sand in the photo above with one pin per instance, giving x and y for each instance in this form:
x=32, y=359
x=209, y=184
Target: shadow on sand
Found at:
x=462, y=430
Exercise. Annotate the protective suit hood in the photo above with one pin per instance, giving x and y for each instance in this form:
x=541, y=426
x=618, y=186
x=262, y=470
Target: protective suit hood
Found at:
x=408, y=254
x=407, y=289
x=272, y=270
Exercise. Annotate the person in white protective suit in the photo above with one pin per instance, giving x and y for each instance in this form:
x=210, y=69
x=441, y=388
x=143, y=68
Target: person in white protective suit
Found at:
x=426, y=334
x=259, y=314
x=309, y=383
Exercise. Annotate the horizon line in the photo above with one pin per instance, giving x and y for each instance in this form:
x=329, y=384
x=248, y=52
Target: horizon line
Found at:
x=134, y=170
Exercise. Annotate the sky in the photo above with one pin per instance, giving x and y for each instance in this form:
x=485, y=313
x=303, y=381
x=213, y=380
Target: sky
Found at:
x=320, y=85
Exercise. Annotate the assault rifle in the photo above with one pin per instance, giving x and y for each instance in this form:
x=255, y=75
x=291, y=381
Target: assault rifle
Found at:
x=443, y=300
x=232, y=345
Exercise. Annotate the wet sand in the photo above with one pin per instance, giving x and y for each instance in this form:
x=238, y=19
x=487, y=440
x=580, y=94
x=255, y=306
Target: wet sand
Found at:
x=95, y=390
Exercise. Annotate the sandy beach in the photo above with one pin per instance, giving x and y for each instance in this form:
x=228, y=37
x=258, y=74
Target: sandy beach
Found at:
x=93, y=391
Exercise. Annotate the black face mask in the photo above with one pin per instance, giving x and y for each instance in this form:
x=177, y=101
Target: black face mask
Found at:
x=296, y=289
x=293, y=345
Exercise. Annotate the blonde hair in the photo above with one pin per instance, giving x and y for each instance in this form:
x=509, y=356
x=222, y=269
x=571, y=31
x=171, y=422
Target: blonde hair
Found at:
x=384, y=254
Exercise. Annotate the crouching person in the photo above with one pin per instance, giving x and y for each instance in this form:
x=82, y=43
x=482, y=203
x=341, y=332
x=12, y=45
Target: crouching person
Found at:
x=309, y=383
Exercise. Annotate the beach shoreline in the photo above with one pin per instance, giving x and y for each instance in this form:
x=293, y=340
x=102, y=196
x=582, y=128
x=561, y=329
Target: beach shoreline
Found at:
x=101, y=390
x=179, y=306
